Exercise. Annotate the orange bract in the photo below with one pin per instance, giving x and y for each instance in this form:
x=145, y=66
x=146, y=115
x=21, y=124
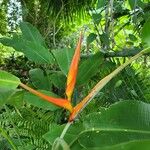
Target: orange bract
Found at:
x=72, y=74
x=56, y=101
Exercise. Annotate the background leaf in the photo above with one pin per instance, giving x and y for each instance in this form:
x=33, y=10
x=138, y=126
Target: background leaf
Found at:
x=8, y=80
x=100, y=3
x=117, y=125
x=30, y=43
x=91, y=38
x=39, y=80
x=58, y=79
x=89, y=68
x=146, y=33
x=133, y=4
x=63, y=58
x=32, y=50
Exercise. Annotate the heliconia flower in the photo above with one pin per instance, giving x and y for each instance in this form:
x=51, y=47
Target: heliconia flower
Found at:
x=72, y=74
x=56, y=101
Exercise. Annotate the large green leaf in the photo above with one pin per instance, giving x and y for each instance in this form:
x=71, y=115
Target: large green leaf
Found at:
x=64, y=57
x=134, y=145
x=39, y=80
x=37, y=53
x=122, y=122
x=146, y=33
x=30, y=33
x=30, y=42
x=33, y=50
x=89, y=68
x=39, y=102
x=8, y=80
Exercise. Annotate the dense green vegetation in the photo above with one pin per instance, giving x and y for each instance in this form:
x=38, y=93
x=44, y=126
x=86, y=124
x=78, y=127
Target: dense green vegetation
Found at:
x=38, y=42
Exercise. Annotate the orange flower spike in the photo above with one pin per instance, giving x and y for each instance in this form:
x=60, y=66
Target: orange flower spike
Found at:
x=56, y=101
x=72, y=74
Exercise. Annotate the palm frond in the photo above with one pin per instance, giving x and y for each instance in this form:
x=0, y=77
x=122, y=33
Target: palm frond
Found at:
x=69, y=8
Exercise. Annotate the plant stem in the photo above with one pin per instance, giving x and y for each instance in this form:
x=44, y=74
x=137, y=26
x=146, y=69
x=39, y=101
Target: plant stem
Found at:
x=65, y=130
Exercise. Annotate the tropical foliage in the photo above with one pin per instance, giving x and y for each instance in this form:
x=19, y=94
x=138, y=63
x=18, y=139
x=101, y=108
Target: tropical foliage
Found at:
x=75, y=87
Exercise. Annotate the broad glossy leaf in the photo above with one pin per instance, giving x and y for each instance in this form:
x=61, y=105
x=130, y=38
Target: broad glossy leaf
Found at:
x=39, y=102
x=123, y=122
x=30, y=43
x=89, y=68
x=30, y=33
x=63, y=58
x=146, y=33
x=37, y=53
x=39, y=80
x=134, y=145
x=8, y=80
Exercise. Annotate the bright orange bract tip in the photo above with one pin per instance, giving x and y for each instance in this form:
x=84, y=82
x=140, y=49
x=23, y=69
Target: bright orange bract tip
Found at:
x=72, y=74
x=56, y=101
